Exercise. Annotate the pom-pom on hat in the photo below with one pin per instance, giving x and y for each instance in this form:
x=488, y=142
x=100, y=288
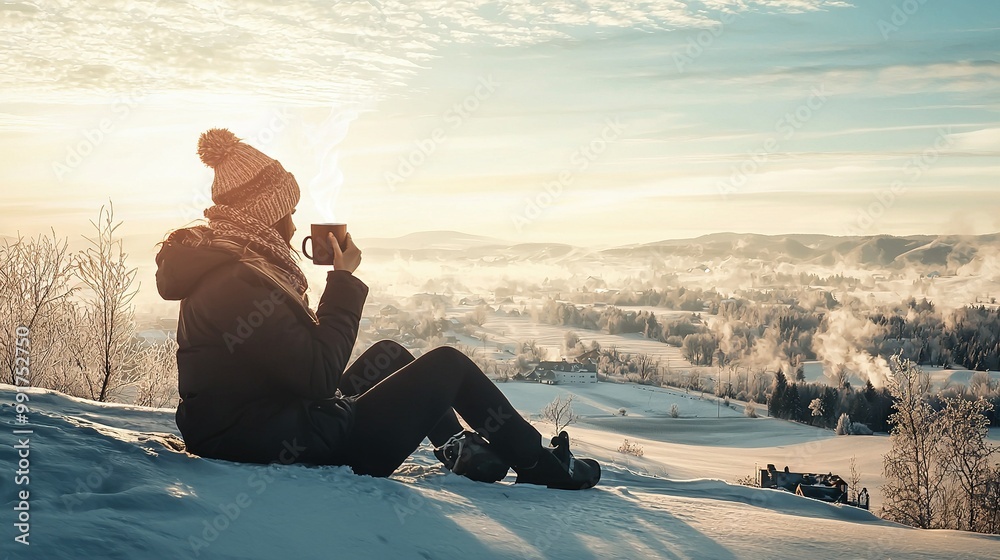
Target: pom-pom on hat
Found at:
x=247, y=179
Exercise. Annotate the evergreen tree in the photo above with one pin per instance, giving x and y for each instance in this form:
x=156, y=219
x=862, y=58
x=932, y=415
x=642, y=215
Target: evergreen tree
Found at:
x=777, y=404
x=794, y=403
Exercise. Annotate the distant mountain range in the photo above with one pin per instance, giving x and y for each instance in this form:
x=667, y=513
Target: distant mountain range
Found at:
x=865, y=251
x=924, y=252
x=875, y=251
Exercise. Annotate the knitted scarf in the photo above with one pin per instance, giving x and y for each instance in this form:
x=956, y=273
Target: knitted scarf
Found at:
x=229, y=223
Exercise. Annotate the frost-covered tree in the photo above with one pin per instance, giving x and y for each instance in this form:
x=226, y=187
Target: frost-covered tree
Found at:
x=35, y=278
x=855, y=479
x=570, y=341
x=157, y=387
x=913, y=491
x=816, y=406
x=112, y=350
x=844, y=425
x=646, y=367
x=699, y=348
x=990, y=516
x=965, y=456
x=479, y=315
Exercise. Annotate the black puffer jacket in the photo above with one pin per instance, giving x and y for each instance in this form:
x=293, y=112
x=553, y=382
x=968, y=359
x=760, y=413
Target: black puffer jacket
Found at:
x=258, y=370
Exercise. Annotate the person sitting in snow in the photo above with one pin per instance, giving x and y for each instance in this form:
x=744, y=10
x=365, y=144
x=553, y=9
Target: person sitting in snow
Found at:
x=263, y=378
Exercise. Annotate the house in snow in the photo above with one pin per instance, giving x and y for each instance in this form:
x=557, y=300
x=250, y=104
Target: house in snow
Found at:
x=388, y=311
x=824, y=487
x=591, y=355
x=563, y=372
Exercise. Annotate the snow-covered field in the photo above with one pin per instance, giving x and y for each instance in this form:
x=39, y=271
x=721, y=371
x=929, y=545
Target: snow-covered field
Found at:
x=707, y=440
x=513, y=329
x=101, y=486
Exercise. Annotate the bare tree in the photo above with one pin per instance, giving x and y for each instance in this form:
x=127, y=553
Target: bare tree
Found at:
x=532, y=351
x=506, y=370
x=109, y=310
x=855, y=479
x=646, y=367
x=913, y=489
x=34, y=290
x=479, y=315
x=990, y=516
x=157, y=387
x=965, y=455
x=560, y=413
x=69, y=375
x=694, y=380
x=613, y=353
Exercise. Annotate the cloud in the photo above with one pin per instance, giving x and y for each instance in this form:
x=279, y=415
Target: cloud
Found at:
x=308, y=51
x=985, y=140
x=872, y=80
x=789, y=6
x=21, y=123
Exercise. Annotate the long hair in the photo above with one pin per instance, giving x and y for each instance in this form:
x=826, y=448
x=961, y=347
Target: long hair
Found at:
x=286, y=229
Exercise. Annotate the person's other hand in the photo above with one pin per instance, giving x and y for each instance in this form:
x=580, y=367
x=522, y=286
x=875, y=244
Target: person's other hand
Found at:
x=347, y=259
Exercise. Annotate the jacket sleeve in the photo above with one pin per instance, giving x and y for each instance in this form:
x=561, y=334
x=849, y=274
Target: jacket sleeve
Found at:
x=259, y=325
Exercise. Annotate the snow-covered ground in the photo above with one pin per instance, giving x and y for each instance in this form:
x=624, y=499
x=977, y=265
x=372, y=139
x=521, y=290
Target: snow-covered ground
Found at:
x=514, y=329
x=707, y=440
x=103, y=485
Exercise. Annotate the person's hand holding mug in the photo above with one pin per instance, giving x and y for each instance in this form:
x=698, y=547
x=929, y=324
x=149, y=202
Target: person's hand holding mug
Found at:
x=347, y=259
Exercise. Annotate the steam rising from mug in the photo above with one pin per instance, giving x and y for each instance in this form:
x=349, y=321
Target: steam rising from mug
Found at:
x=324, y=187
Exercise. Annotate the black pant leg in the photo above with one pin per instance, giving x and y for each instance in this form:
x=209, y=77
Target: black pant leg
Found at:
x=375, y=364
x=393, y=417
x=381, y=360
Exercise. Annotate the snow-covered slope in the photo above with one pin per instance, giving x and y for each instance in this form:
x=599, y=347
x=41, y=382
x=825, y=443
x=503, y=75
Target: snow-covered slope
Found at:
x=101, y=486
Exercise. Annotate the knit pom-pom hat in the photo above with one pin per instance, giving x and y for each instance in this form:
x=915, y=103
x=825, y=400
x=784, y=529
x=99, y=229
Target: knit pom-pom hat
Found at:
x=246, y=179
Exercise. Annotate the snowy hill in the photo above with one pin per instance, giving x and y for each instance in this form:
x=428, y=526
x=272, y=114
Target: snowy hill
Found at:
x=103, y=484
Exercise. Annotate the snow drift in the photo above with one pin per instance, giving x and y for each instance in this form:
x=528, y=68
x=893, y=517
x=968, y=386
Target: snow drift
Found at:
x=106, y=482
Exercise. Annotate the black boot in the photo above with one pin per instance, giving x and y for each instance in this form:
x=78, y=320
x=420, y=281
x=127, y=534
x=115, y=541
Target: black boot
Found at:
x=556, y=467
x=469, y=454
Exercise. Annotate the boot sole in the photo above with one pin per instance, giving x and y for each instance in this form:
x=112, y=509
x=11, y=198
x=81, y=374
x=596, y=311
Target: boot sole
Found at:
x=596, y=469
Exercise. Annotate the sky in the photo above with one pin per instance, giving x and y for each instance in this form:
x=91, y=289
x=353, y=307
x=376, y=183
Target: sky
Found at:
x=590, y=122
